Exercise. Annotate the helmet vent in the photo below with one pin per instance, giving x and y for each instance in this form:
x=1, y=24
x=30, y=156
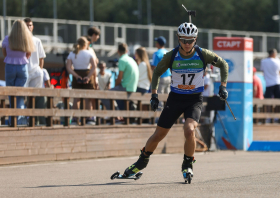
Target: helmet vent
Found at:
x=188, y=30
x=191, y=25
x=184, y=30
x=196, y=31
x=192, y=30
x=186, y=24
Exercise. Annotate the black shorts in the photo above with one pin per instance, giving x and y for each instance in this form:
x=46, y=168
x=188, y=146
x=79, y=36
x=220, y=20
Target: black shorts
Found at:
x=189, y=104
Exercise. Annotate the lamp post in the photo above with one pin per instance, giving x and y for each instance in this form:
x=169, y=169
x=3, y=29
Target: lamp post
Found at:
x=279, y=14
x=91, y=12
x=23, y=7
x=277, y=17
x=149, y=14
x=54, y=9
x=4, y=16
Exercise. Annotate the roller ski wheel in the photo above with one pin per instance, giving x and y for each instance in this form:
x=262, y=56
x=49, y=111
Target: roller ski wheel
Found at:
x=188, y=175
x=117, y=175
x=138, y=175
x=188, y=179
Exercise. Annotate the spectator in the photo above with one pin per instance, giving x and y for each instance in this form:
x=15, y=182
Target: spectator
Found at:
x=104, y=78
x=128, y=75
x=91, y=103
x=84, y=73
x=65, y=78
x=207, y=115
x=165, y=78
x=128, y=71
x=257, y=85
x=17, y=48
x=207, y=83
x=41, y=101
x=145, y=71
x=93, y=34
x=89, y=45
x=36, y=61
x=271, y=69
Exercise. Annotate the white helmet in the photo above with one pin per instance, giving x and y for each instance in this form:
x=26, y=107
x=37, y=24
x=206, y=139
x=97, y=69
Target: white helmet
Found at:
x=187, y=29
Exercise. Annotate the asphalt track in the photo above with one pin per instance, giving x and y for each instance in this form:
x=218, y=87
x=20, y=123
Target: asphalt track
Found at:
x=216, y=174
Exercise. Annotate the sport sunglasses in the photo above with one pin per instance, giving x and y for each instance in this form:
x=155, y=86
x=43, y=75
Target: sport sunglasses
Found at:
x=187, y=41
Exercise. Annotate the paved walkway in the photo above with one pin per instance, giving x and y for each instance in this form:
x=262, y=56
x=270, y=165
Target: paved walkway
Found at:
x=217, y=174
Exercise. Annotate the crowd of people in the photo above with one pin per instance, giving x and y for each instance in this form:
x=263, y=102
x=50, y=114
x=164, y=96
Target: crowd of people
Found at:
x=134, y=75
x=24, y=57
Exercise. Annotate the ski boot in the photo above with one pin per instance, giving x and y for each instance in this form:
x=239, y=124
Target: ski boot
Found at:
x=187, y=168
x=132, y=172
x=141, y=163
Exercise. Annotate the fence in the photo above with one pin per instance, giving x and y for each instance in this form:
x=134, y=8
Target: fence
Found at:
x=29, y=144
x=59, y=34
x=263, y=109
x=267, y=110
x=65, y=95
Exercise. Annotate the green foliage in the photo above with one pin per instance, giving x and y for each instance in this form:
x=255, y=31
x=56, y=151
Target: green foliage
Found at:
x=245, y=15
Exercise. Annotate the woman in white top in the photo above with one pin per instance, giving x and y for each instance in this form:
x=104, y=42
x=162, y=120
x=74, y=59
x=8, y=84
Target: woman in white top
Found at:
x=84, y=71
x=145, y=71
x=84, y=65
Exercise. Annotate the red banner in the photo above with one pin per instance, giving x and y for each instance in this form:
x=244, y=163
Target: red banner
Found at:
x=233, y=44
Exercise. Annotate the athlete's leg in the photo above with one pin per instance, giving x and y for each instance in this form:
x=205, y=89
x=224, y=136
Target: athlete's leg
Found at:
x=148, y=150
x=189, y=132
x=153, y=141
x=192, y=118
x=169, y=115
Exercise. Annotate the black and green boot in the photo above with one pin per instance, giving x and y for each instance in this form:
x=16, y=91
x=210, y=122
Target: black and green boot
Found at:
x=141, y=163
x=187, y=168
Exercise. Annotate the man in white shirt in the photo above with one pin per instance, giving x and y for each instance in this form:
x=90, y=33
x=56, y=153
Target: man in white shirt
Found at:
x=36, y=61
x=41, y=101
x=271, y=70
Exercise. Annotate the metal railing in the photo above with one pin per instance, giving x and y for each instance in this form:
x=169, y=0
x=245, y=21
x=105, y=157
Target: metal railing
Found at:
x=63, y=33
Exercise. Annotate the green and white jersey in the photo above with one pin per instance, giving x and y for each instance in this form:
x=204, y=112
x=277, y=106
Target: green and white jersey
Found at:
x=187, y=74
x=187, y=71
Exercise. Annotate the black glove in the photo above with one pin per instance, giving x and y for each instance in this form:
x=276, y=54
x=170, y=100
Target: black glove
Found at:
x=223, y=94
x=154, y=102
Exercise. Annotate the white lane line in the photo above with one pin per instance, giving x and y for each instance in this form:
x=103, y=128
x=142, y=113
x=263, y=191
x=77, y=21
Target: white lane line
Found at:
x=85, y=160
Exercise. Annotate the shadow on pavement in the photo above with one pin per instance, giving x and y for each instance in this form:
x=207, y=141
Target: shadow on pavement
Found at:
x=115, y=183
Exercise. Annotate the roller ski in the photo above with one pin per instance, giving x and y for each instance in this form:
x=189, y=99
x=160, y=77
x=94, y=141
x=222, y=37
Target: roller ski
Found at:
x=133, y=171
x=187, y=169
x=117, y=175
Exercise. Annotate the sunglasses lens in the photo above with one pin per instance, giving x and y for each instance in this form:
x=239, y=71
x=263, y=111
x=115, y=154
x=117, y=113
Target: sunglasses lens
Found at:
x=190, y=41
x=187, y=41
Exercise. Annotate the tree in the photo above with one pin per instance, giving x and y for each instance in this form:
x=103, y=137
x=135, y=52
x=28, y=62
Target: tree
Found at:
x=246, y=15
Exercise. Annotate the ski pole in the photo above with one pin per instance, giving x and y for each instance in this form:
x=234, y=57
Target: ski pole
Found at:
x=230, y=110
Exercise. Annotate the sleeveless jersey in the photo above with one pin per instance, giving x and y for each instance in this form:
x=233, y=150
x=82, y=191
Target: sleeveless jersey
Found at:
x=187, y=74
